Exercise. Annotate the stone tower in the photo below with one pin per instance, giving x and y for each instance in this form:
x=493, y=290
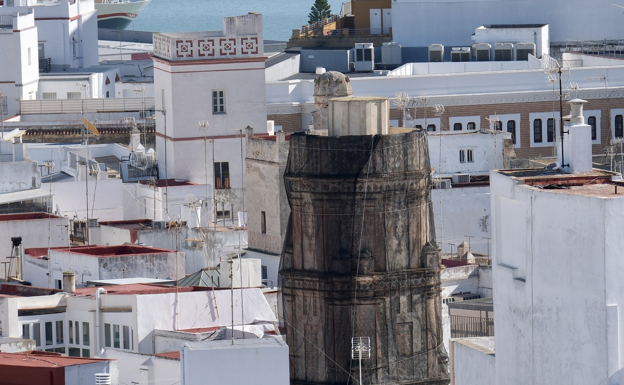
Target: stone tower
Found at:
x=360, y=259
x=329, y=85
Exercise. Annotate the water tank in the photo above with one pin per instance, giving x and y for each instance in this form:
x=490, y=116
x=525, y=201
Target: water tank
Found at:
x=482, y=51
x=364, y=57
x=503, y=51
x=523, y=50
x=391, y=54
x=460, y=54
x=436, y=53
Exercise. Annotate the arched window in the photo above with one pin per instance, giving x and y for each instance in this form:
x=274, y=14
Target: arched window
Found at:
x=431, y=127
x=550, y=130
x=457, y=127
x=471, y=126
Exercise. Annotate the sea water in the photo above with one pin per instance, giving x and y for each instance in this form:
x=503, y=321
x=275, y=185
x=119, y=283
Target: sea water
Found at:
x=280, y=16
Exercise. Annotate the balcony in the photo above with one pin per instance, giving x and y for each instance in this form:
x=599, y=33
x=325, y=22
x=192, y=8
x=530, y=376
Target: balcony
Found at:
x=6, y=22
x=44, y=65
x=337, y=32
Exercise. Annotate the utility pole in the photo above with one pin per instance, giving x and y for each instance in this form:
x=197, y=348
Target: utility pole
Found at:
x=2, y=112
x=452, y=244
x=469, y=237
x=489, y=255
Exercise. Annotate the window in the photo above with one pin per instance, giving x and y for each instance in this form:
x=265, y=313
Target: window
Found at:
x=265, y=272
x=222, y=175
x=116, y=336
x=462, y=156
x=37, y=333
x=107, y=335
x=469, y=156
x=85, y=334
x=86, y=353
x=77, y=325
x=550, y=130
x=223, y=214
x=431, y=127
x=58, y=284
x=108, y=94
x=537, y=131
x=218, y=102
x=74, y=352
x=26, y=331
x=74, y=95
x=498, y=125
x=71, y=332
x=41, y=49
x=263, y=222
x=511, y=127
x=457, y=127
x=126, y=337
x=471, y=126
x=49, y=95
x=619, y=126
x=592, y=122
x=59, y=332
x=466, y=156
x=418, y=126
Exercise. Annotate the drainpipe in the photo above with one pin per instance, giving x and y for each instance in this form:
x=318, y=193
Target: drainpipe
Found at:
x=97, y=319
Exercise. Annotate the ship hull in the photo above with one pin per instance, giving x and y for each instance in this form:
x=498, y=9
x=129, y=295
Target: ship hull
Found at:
x=119, y=15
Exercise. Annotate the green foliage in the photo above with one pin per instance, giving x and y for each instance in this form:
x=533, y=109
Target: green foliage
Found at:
x=320, y=10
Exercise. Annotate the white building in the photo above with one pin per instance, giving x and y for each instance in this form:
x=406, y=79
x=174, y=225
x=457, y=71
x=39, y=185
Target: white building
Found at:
x=45, y=267
x=417, y=24
x=217, y=77
x=19, y=63
x=556, y=273
x=265, y=362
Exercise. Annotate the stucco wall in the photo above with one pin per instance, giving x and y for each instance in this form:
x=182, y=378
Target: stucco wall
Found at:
x=471, y=364
x=163, y=370
x=19, y=176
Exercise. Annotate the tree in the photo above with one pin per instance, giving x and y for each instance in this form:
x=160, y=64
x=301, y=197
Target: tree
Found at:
x=320, y=10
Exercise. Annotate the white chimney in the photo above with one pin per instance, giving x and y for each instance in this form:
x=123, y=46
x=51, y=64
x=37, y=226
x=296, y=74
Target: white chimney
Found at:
x=69, y=281
x=576, y=153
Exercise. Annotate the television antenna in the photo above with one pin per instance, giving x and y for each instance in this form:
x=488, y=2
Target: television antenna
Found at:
x=360, y=349
x=554, y=72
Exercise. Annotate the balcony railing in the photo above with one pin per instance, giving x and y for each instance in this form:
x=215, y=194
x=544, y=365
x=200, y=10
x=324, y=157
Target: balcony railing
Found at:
x=190, y=47
x=44, y=65
x=75, y=106
x=6, y=21
x=464, y=327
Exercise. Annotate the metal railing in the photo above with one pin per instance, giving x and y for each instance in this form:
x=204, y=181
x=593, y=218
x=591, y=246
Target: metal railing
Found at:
x=44, y=65
x=359, y=32
x=462, y=327
x=76, y=106
x=6, y=21
x=319, y=24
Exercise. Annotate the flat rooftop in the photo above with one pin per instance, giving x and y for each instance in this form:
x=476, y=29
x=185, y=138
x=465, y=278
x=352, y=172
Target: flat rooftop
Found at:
x=17, y=290
x=481, y=304
x=44, y=360
x=596, y=183
x=99, y=251
x=27, y=217
x=140, y=288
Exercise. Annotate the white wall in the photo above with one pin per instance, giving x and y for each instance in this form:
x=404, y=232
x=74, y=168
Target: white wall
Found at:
x=419, y=23
x=548, y=291
x=19, y=176
x=77, y=374
x=459, y=212
x=165, y=371
x=105, y=199
x=265, y=361
x=473, y=363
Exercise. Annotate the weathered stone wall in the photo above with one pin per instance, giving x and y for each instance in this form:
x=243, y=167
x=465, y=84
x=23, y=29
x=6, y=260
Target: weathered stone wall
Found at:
x=360, y=260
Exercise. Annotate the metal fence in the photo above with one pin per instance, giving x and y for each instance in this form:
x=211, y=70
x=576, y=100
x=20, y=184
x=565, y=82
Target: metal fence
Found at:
x=76, y=106
x=6, y=21
x=462, y=326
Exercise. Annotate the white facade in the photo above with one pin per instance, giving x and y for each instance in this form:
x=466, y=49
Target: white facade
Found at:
x=19, y=60
x=258, y=361
x=67, y=31
x=218, y=77
x=144, y=368
x=557, y=270
x=419, y=23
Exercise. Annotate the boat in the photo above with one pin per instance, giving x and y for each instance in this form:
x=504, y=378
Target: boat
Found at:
x=118, y=14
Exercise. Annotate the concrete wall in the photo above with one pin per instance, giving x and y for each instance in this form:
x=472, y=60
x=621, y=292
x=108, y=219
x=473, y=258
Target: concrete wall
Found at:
x=282, y=69
x=265, y=361
x=15, y=345
x=459, y=212
x=105, y=199
x=472, y=363
x=19, y=176
x=143, y=368
x=459, y=279
x=548, y=289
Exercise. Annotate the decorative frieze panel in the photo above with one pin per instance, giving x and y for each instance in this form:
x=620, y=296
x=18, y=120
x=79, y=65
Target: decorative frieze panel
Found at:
x=202, y=47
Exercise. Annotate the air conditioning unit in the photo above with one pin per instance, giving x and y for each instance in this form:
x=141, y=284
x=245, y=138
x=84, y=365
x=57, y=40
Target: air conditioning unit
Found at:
x=461, y=178
x=391, y=54
x=94, y=222
x=460, y=54
x=436, y=53
x=503, y=51
x=523, y=50
x=159, y=225
x=441, y=184
x=482, y=51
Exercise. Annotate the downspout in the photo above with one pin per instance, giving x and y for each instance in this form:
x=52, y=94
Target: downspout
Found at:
x=97, y=320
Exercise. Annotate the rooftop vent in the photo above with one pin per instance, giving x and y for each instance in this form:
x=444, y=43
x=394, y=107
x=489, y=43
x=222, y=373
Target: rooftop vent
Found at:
x=523, y=50
x=482, y=51
x=503, y=51
x=460, y=54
